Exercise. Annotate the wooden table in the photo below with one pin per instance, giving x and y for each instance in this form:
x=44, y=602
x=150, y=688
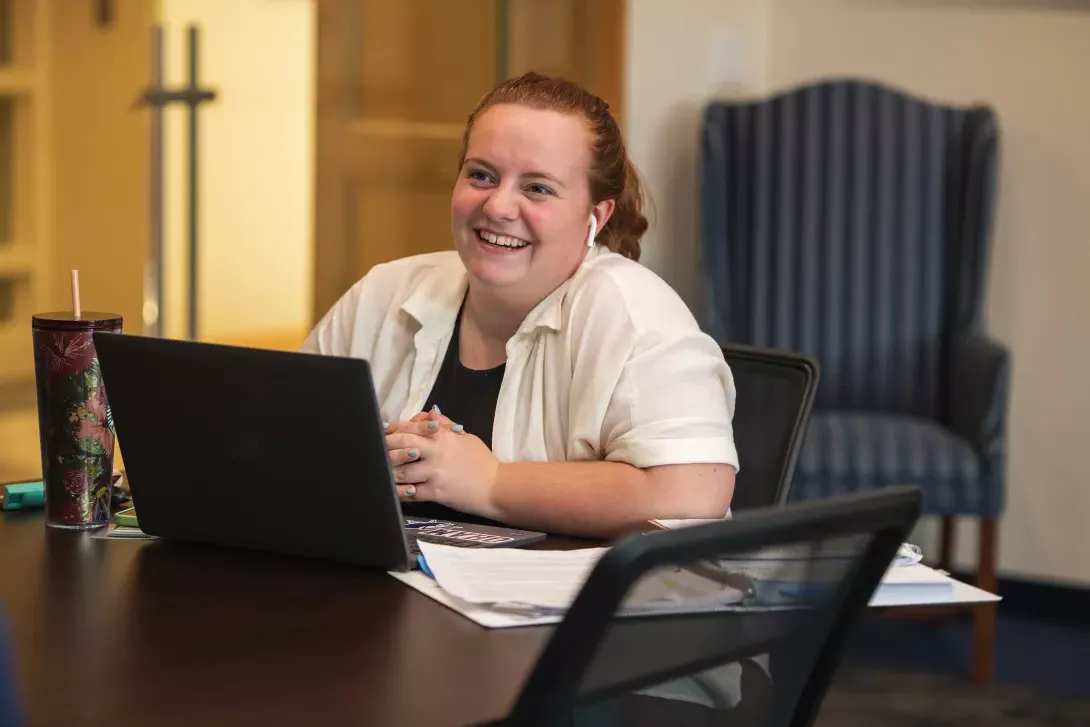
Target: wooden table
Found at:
x=113, y=632
x=142, y=632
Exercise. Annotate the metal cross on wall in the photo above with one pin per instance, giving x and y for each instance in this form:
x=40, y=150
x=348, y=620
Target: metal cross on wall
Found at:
x=158, y=97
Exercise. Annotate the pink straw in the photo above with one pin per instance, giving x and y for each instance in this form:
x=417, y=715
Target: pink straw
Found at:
x=75, y=293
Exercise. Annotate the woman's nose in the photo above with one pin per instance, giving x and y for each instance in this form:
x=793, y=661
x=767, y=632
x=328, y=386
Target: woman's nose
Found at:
x=501, y=204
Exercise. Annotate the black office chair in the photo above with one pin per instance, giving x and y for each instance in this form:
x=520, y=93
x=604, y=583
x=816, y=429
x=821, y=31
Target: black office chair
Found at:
x=629, y=670
x=775, y=394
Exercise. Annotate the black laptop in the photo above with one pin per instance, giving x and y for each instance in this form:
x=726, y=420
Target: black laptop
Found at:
x=268, y=450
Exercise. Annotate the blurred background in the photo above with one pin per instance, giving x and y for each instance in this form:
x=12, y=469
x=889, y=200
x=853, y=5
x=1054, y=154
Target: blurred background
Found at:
x=332, y=140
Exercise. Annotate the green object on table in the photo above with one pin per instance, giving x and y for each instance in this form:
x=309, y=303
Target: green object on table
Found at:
x=126, y=518
x=24, y=495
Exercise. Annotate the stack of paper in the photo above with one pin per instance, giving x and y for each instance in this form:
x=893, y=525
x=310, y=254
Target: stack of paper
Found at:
x=499, y=588
x=915, y=582
x=544, y=581
x=907, y=554
x=675, y=524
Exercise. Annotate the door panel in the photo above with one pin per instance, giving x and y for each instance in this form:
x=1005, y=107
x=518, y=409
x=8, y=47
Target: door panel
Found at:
x=422, y=60
x=396, y=81
x=551, y=37
x=73, y=184
x=101, y=155
x=401, y=180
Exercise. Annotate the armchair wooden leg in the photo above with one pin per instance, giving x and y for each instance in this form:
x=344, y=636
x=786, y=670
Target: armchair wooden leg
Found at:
x=984, y=615
x=946, y=544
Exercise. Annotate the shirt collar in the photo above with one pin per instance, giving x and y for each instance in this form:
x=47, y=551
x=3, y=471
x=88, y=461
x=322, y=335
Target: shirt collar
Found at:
x=435, y=302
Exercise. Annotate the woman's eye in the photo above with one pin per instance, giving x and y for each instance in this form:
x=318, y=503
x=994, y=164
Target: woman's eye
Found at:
x=478, y=175
x=539, y=189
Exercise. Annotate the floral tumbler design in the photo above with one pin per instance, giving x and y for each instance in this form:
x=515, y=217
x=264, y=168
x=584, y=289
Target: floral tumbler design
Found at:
x=75, y=427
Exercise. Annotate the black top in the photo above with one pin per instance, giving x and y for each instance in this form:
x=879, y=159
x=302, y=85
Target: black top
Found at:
x=467, y=397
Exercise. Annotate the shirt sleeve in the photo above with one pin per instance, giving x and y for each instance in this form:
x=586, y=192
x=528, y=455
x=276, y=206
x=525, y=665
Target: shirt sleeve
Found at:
x=674, y=404
x=333, y=334
x=660, y=386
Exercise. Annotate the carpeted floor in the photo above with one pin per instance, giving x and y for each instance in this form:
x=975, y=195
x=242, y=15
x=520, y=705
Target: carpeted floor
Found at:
x=904, y=674
x=863, y=697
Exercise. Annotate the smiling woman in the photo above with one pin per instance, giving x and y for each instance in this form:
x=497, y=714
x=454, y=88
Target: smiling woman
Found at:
x=538, y=375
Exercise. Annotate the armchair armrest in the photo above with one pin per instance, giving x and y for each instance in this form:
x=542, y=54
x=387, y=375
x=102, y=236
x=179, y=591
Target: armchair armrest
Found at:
x=980, y=379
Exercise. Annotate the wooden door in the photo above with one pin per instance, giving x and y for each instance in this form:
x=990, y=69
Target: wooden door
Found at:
x=73, y=183
x=100, y=66
x=396, y=81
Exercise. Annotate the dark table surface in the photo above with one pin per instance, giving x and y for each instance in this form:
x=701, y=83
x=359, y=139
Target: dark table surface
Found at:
x=116, y=632
x=141, y=632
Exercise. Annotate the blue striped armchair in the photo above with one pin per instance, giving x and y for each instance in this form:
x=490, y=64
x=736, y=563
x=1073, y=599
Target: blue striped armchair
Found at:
x=851, y=221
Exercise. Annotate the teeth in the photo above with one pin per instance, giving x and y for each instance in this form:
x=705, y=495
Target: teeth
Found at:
x=502, y=240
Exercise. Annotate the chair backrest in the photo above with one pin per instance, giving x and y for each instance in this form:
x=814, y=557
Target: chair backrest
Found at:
x=829, y=557
x=851, y=222
x=772, y=410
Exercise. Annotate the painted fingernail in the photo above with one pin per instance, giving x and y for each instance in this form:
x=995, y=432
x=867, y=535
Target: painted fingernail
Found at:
x=413, y=454
x=410, y=491
x=433, y=424
x=386, y=425
x=457, y=428
x=435, y=408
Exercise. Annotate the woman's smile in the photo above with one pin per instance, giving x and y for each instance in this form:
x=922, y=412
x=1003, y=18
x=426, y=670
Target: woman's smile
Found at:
x=495, y=242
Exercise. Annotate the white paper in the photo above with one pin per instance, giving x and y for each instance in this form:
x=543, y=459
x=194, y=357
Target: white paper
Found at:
x=541, y=578
x=914, y=575
x=483, y=615
x=907, y=554
x=918, y=579
x=539, y=581
x=675, y=524
x=892, y=595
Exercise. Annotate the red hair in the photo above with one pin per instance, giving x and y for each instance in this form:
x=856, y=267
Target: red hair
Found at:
x=612, y=174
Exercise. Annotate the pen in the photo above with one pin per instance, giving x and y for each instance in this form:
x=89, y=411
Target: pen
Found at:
x=732, y=579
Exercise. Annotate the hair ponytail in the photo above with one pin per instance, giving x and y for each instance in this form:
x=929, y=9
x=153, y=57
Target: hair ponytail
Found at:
x=625, y=228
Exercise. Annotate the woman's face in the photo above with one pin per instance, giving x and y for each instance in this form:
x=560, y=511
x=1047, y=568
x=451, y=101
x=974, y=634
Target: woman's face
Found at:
x=520, y=211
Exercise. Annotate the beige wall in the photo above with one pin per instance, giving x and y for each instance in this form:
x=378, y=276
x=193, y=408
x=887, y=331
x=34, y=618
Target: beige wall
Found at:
x=672, y=54
x=1031, y=66
x=256, y=167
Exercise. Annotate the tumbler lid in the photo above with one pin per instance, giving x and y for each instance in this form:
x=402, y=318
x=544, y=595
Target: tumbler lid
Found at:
x=67, y=321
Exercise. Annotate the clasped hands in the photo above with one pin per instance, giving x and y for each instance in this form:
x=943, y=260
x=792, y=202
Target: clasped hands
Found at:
x=435, y=460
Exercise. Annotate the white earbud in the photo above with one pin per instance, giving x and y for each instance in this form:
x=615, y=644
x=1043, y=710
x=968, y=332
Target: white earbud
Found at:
x=593, y=230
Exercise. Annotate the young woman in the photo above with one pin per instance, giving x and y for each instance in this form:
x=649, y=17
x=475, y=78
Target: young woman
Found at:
x=538, y=375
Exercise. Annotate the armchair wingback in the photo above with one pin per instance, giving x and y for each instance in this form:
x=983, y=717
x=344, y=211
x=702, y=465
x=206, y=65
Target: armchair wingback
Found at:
x=850, y=222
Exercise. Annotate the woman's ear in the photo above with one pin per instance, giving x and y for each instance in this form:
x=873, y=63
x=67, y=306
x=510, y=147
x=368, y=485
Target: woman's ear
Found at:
x=603, y=211
x=599, y=215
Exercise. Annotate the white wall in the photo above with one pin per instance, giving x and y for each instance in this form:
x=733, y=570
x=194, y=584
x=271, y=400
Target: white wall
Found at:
x=256, y=167
x=1031, y=66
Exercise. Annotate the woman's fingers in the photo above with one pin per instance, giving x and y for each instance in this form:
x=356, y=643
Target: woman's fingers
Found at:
x=422, y=427
x=415, y=493
x=426, y=428
x=424, y=424
x=435, y=420
x=408, y=440
x=410, y=474
x=399, y=457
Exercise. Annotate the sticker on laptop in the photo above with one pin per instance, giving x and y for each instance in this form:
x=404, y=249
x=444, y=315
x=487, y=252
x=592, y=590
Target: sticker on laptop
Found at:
x=455, y=533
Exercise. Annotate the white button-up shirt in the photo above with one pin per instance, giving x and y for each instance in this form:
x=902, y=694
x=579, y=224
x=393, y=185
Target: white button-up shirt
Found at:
x=611, y=365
